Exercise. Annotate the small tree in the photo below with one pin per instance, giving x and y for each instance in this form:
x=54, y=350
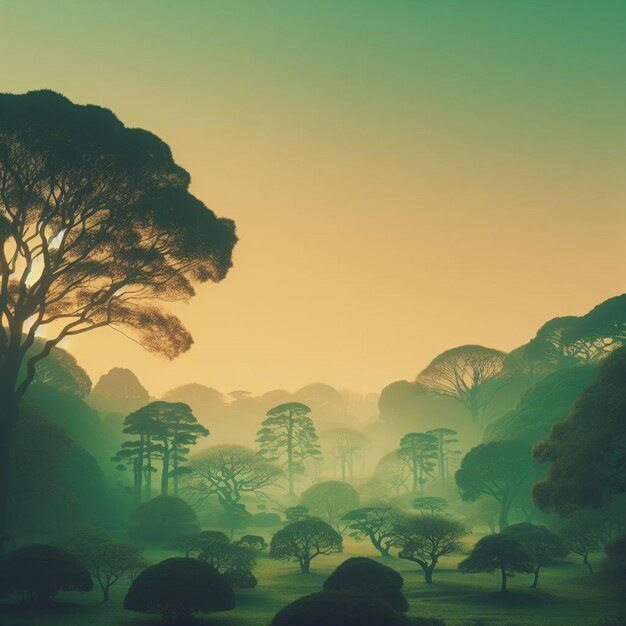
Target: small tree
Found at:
x=431, y=505
x=289, y=433
x=540, y=543
x=424, y=539
x=163, y=519
x=304, y=540
x=392, y=474
x=41, y=571
x=296, y=513
x=235, y=516
x=372, y=578
x=375, y=523
x=179, y=587
x=581, y=536
x=498, y=552
x=420, y=451
x=346, y=445
x=228, y=471
x=330, y=501
x=503, y=470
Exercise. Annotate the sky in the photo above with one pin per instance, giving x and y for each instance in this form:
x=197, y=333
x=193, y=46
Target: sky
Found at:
x=406, y=176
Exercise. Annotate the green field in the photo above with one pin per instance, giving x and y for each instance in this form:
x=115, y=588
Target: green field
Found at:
x=566, y=595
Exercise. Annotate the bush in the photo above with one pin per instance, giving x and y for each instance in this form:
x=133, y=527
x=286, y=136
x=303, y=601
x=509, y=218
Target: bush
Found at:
x=40, y=571
x=178, y=587
x=164, y=518
x=240, y=578
x=362, y=574
x=338, y=608
x=255, y=542
x=265, y=520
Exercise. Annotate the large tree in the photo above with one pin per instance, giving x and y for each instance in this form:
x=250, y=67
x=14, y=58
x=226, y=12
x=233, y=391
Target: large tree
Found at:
x=230, y=471
x=419, y=451
x=330, y=501
x=503, y=470
x=587, y=451
x=374, y=522
x=466, y=374
x=97, y=228
x=289, y=433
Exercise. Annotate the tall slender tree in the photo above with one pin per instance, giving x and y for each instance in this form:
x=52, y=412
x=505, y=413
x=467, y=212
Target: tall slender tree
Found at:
x=420, y=451
x=289, y=433
x=97, y=228
x=445, y=438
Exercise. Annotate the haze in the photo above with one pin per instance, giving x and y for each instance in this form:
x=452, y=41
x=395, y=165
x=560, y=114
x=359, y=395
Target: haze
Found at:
x=404, y=178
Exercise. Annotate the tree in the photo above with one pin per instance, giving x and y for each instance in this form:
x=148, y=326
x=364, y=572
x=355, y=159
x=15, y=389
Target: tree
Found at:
x=179, y=587
x=587, y=451
x=614, y=565
x=289, y=432
x=229, y=471
x=375, y=523
x=163, y=519
x=392, y=473
x=330, y=501
x=502, y=470
x=445, y=437
x=41, y=571
x=498, y=552
x=465, y=374
x=581, y=535
x=431, y=505
x=370, y=577
x=346, y=445
x=420, y=451
x=98, y=226
x=296, y=513
x=338, y=608
x=424, y=539
x=540, y=543
x=235, y=515
x=304, y=540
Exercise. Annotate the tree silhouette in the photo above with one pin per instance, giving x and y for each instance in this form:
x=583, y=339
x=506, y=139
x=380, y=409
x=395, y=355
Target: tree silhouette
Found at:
x=346, y=444
x=420, y=450
x=445, y=438
x=374, y=522
x=330, y=501
x=98, y=227
x=464, y=373
x=289, y=432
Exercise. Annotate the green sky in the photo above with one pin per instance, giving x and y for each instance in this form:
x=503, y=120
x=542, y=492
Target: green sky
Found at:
x=405, y=175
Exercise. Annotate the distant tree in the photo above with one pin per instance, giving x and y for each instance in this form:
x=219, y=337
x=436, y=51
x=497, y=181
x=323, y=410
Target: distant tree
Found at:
x=375, y=523
x=498, y=552
x=370, y=577
x=187, y=544
x=305, y=540
x=254, y=542
x=485, y=511
x=40, y=571
x=98, y=225
x=392, y=474
x=330, y=501
x=587, y=451
x=464, y=373
x=163, y=519
x=230, y=558
x=235, y=515
x=177, y=588
x=424, y=539
x=346, y=444
x=581, y=535
x=265, y=519
x=296, y=513
x=338, y=608
x=445, y=438
x=228, y=471
x=540, y=543
x=421, y=450
x=503, y=470
x=61, y=371
x=431, y=505
x=289, y=433
x=209, y=545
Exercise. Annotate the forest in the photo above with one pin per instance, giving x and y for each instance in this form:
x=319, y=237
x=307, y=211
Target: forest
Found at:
x=488, y=488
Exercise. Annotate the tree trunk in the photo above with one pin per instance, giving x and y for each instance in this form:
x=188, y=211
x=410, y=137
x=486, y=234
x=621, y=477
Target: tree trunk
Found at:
x=504, y=515
x=428, y=574
x=414, y=463
x=442, y=462
x=175, y=464
x=536, y=579
x=586, y=562
x=305, y=565
x=9, y=411
x=105, y=595
x=148, y=493
x=290, y=455
x=343, y=469
x=166, y=470
x=503, y=587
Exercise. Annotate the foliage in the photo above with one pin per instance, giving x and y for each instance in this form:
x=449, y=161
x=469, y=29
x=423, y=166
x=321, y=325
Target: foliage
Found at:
x=587, y=451
x=42, y=571
x=288, y=432
x=498, y=552
x=392, y=474
x=163, y=519
x=346, y=445
x=424, y=539
x=420, y=451
x=430, y=504
x=338, y=608
x=374, y=522
x=503, y=470
x=255, y=542
x=179, y=587
x=370, y=577
x=265, y=519
x=228, y=471
x=304, y=540
x=330, y=501
x=444, y=438
x=581, y=534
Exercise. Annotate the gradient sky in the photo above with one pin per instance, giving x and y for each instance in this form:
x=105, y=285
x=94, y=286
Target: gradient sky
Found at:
x=406, y=176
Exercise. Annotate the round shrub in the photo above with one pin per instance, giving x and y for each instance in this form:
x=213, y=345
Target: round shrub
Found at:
x=265, y=520
x=40, y=571
x=164, y=518
x=178, y=587
x=240, y=578
x=371, y=577
x=338, y=608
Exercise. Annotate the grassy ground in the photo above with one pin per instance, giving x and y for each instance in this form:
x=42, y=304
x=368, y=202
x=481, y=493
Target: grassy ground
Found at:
x=566, y=595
